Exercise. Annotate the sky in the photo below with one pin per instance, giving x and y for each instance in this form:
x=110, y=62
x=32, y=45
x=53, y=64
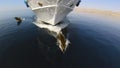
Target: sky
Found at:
x=113, y=5
x=11, y=5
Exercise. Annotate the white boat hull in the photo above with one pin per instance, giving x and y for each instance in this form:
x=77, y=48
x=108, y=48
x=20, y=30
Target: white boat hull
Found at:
x=51, y=15
x=52, y=11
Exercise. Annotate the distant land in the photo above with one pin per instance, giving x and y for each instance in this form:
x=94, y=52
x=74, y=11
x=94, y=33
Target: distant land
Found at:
x=98, y=12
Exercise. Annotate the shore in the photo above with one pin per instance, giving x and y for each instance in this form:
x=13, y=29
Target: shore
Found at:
x=107, y=13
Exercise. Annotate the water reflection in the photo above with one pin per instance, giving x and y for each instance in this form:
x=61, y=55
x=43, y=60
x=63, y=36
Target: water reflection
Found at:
x=27, y=46
x=59, y=32
x=94, y=44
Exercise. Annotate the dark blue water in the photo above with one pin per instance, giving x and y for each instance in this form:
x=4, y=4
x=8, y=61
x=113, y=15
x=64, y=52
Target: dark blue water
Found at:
x=95, y=43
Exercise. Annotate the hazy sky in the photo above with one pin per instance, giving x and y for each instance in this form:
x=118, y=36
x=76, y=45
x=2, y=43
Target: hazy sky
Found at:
x=113, y=5
x=99, y=4
x=11, y=5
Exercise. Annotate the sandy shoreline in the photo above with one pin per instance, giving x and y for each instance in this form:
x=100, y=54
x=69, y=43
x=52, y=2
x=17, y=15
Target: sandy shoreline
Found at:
x=98, y=12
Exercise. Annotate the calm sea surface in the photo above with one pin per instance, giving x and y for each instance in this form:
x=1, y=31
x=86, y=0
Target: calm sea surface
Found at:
x=95, y=43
